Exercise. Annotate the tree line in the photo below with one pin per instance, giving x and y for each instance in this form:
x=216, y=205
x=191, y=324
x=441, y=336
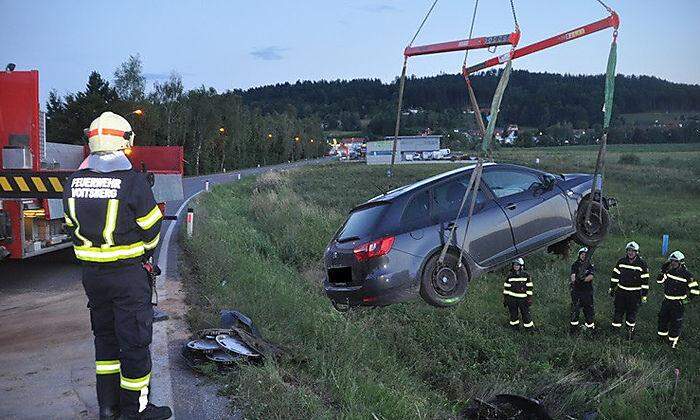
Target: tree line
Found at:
x=286, y=121
x=218, y=131
x=538, y=100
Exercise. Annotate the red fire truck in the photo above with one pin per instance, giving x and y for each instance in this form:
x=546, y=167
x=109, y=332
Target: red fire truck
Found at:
x=32, y=171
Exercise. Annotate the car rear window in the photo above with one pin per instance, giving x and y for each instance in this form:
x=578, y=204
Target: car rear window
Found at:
x=362, y=222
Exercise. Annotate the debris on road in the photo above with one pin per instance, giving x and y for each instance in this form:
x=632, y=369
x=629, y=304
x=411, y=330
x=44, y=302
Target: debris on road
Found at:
x=239, y=340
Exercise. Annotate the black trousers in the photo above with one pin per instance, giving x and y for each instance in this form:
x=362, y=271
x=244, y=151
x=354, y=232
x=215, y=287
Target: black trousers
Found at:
x=121, y=315
x=582, y=299
x=626, y=306
x=671, y=320
x=516, y=305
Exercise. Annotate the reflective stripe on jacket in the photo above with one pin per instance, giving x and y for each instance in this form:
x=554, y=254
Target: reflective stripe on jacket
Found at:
x=112, y=217
x=518, y=284
x=630, y=275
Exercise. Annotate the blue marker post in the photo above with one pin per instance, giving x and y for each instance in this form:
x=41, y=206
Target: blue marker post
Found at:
x=664, y=245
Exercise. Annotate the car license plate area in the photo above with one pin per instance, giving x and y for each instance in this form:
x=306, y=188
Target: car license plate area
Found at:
x=340, y=275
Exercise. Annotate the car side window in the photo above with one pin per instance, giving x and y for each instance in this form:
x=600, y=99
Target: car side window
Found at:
x=448, y=197
x=509, y=182
x=417, y=211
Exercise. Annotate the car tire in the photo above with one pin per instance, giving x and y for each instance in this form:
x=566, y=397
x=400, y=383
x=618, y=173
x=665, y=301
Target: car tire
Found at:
x=444, y=285
x=600, y=224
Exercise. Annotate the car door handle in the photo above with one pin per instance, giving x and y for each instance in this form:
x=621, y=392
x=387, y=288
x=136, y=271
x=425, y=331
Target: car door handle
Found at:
x=511, y=206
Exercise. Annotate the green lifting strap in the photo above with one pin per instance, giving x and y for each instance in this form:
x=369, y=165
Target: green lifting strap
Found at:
x=495, y=105
x=607, y=115
x=610, y=85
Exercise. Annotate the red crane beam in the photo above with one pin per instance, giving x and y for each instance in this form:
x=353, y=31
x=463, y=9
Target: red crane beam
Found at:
x=464, y=44
x=612, y=21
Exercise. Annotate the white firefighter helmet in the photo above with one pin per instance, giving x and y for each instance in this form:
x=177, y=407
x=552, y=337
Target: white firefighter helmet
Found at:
x=676, y=256
x=582, y=250
x=109, y=133
x=633, y=246
x=519, y=261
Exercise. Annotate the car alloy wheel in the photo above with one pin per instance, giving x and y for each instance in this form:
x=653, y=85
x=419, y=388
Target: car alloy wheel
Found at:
x=445, y=281
x=593, y=232
x=445, y=284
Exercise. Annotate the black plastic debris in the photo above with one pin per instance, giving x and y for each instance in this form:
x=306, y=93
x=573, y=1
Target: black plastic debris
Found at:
x=506, y=406
x=230, y=318
x=238, y=341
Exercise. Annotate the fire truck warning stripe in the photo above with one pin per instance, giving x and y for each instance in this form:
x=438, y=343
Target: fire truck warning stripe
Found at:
x=39, y=184
x=4, y=184
x=56, y=184
x=21, y=183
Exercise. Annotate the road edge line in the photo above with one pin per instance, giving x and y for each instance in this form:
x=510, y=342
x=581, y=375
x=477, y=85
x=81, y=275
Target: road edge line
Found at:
x=161, y=364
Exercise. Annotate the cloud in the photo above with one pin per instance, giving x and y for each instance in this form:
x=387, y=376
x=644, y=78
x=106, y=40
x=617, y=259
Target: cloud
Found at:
x=270, y=53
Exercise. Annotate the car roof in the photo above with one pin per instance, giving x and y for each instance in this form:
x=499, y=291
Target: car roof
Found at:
x=388, y=196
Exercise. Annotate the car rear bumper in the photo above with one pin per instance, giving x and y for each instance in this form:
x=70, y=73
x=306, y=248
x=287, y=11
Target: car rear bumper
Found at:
x=364, y=296
x=393, y=279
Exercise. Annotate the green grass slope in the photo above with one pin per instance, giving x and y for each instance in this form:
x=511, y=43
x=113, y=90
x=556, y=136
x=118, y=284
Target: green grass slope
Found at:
x=258, y=248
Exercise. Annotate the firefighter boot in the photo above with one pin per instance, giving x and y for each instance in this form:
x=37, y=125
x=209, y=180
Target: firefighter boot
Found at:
x=630, y=333
x=590, y=330
x=151, y=412
x=573, y=329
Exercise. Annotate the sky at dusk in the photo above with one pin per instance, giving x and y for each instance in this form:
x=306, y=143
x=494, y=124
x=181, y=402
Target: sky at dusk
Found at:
x=237, y=44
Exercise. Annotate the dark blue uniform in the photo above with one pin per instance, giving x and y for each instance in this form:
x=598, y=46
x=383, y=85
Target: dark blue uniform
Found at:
x=582, y=294
x=517, y=295
x=115, y=225
x=679, y=286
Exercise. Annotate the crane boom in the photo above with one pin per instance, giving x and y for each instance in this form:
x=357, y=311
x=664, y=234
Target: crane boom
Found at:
x=463, y=44
x=612, y=21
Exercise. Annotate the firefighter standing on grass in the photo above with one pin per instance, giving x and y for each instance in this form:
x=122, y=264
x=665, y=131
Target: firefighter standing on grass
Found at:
x=629, y=285
x=679, y=287
x=517, y=295
x=115, y=225
x=582, y=271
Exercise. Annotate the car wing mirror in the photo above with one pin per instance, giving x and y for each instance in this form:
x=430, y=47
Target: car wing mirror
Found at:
x=548, y=181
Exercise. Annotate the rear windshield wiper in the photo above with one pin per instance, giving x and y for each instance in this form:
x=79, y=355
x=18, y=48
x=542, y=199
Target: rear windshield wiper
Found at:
x=347, y=239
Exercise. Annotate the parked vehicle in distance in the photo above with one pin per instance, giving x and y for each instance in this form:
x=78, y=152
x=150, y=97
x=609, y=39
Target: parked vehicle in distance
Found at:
x=387, y=250
x=442, y=154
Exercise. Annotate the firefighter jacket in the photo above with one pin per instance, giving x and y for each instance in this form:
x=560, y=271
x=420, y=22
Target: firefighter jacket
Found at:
x=679, y=283
x=113, y=217
x=518, y=284
x=581, y=272
x=630, y=275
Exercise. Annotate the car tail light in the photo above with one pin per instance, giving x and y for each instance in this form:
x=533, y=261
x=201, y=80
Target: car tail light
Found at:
x=373, y=249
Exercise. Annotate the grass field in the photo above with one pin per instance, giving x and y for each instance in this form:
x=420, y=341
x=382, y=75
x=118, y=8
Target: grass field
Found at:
x=259, y=245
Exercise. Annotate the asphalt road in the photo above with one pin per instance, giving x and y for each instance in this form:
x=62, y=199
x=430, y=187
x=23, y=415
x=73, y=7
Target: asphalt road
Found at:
x=45, y=340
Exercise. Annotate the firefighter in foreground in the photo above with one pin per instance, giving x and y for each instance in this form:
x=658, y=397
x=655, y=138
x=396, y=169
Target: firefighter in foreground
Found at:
x=517, y=295
x=581, y=284
x=629, y=285
x=115, y=224
x=679, y=286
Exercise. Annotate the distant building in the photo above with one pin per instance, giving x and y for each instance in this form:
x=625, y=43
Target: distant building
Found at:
x=379, y=152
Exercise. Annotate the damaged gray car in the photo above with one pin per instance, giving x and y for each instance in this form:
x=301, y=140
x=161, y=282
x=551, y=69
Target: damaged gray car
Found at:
x=387, y=250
